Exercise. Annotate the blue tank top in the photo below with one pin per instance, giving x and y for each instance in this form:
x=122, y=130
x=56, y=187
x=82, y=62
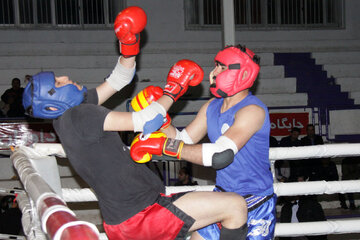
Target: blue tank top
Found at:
x=250, y=171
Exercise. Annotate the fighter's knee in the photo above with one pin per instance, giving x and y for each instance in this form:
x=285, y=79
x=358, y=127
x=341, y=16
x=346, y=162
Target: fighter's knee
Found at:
x=239, y=203
x=237, y=208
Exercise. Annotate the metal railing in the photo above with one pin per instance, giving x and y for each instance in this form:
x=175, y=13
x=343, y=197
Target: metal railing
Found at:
x=268, y=14
x=59, y=13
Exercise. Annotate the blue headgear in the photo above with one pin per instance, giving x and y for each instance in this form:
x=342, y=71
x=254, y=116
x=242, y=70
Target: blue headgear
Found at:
x=41, y=93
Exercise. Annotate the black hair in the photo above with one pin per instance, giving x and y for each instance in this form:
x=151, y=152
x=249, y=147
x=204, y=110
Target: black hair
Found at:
x=186, y=170
x=15, y=79
x=295, y=129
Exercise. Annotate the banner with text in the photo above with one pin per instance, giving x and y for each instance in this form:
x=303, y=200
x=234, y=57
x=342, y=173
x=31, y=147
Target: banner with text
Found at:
x=282, y=123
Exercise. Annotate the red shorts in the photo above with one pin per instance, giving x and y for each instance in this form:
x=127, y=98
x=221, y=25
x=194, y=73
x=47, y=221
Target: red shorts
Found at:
x=161, y=221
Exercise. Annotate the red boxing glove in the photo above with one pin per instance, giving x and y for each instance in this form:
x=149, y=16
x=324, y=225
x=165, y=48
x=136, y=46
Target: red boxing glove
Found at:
x=182, y=74
x=167, y=122
x=145, y=97
x=127, y=25
x=142, y=149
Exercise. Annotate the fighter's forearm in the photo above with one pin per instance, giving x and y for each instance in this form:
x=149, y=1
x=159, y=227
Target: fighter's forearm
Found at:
x=127, y=62
x=166, y=102
x=169, y=131
x=122, y=75
x=192, y=153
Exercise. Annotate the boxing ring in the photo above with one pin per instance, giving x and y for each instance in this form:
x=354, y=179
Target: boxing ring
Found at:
x=46, y=214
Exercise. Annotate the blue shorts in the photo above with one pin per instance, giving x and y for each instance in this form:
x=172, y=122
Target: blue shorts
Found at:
x=261, y=220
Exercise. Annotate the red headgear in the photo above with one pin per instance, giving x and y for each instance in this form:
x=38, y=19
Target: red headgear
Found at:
x=238, y=59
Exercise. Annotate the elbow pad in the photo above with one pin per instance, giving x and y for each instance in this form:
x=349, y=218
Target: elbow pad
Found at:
x=219, y=154
x=183, y=136
x=120, y=76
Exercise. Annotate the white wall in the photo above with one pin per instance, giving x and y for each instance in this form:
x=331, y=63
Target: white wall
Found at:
x=171, y=20
x=92, y=53
x=165, y=33
x=166, y=25
x=344, y=122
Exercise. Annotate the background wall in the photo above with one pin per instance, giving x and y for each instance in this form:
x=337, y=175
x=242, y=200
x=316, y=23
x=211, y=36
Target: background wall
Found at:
x=89, y=55
x=166, y=28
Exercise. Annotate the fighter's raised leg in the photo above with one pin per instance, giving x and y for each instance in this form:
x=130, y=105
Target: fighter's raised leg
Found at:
x=229, y=209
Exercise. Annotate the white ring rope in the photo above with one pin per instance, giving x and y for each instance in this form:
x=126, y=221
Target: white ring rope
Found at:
x=281, y=189
x=283, y=153
x=317, y=151
x=317, y=228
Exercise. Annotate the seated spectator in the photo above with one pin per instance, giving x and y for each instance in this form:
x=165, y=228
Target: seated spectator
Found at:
x=297, y=167
x=282, y=170
x=12, y=98
x=325, y=169
x=10, y=216
x=27, y=78
x=302, y=209
x=311, y=138
x=273, y=142
x=292, y=140
x=184, y=178
x=350, y=169
x=4, y=108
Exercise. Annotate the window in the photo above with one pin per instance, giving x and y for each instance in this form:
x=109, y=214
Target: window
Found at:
x=59, y=13
x=67, y=12
x=267, y=14
x=7, y=12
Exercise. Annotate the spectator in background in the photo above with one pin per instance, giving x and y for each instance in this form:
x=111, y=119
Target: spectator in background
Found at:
x=184, y=178
x=3, y=109
x=350, y=169
x=311, y=138
x=10, y=216
x=292, y=140
x=302, y=209
x=282, y=170
x=273, y=142
x=12, y=98
x=314, y=164
x=282, y=167
x=27, y=78
x=296, y=167
x=327, y=171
